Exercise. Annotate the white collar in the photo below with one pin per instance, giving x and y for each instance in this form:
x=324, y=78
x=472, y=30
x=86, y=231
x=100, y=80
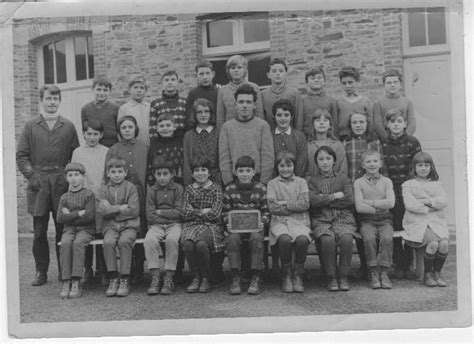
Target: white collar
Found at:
x=208, y=129
x=287, y=132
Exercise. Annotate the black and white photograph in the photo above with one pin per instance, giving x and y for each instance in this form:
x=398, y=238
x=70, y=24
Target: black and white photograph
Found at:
x=232, y=167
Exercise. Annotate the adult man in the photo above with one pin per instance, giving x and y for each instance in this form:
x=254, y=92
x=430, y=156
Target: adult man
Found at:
x=45, y=147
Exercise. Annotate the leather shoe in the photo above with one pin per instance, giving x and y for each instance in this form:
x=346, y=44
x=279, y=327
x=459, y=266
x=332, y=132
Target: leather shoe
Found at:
x=332, y=285
x=344, y=284
x=40, y=279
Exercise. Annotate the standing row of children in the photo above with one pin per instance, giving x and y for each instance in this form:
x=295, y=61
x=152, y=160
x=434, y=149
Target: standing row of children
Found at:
x=243, y=139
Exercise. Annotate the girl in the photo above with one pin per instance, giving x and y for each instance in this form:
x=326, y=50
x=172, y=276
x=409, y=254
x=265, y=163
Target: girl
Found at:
x=332, y=220
x=424, y=222
x=287, y=197
x=202, y=141
x=134, y=152
x=360, y=139
x=202, y=229
x=322, y=132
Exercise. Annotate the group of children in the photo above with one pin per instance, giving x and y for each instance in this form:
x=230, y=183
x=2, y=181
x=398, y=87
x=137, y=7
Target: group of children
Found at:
x=320, y=168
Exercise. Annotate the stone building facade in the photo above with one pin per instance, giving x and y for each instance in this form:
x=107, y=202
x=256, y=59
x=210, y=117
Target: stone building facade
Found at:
x=124, y=46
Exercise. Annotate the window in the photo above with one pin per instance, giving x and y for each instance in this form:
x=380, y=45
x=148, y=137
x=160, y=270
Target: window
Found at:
x=229, y=34
x=67, y=60
x=425, y=30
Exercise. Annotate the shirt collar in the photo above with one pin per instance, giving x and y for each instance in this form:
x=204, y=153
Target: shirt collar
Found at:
x=208, y=129
x=130, y=142
x=206, y=186
x=331, y=175
x=171, y=186
x=287, y=132
x=372, y=179
x=280, y=179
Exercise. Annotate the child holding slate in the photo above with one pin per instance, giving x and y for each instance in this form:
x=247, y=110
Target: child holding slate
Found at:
x=245, y=194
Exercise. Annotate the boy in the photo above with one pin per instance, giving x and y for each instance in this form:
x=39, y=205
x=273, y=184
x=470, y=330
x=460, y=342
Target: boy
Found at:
x=205, y=89
x=245, y=194
x=246, y=135
x=92, y=156
x=236, y=68
x=164, y=201
x=168, y=144
x=44, y=149
x=286, y=138
x=171, y=103
x=138, y=107
x=76, y=211
x=373, y=194
x=399, y=149
x=119, y=206
x=350, y=102
x=102, y=110
x=277, y=73
x=393, y=99
x=315, y=99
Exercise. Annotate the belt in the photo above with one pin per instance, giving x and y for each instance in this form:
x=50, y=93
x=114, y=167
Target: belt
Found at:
x=52, y=168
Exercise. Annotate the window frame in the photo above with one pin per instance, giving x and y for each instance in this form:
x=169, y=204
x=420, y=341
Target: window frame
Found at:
x=238, y=46
x=425, y=49
x=70, y=55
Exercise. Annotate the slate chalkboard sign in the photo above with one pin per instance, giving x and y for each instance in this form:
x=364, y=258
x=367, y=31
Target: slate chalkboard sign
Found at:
x=244, y=221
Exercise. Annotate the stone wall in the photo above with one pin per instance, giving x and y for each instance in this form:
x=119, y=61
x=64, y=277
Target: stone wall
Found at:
x=125, y=46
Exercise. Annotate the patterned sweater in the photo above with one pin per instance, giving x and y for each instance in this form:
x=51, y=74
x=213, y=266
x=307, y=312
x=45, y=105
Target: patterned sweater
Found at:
x=170, y=147
x=172, y=104
x=74, y=201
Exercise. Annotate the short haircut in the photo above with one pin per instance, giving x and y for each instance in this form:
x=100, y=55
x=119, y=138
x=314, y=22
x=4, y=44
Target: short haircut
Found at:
x=277, y=61
x=326, y=149
x=204, y=102
x=127, y=118
x=140, y=79
x=286, y=157
x=244, y=161
x=162, y=162
x=165, y=117
x=204, y=64
x=393, y=114
x=283, y=104
x=200, y=161
x=349, y=71
x=95, y=125
x=75, y=166
x=324, y=113
x=392, y=72
x=101, y=80
x=314, y=71
x=235, y=60
x=169, y=73
x=116, y=162
x=419, y=158
x=52, y=89
x=370, y=152
x=246, y=89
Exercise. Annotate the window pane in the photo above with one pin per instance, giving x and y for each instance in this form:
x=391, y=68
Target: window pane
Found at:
x=416, y=27
x=256, y=30
x=48, y=62
x=436, y=26
x=60, y=48
x=90, y=51
x=221, y=76
x=219, y=33
x=80, y=52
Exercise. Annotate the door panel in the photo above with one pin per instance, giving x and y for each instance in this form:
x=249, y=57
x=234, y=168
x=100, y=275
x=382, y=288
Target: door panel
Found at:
x=71, y=104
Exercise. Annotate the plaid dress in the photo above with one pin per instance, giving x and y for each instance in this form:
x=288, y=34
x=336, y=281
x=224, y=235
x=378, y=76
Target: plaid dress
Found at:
x=199, y=197
x=354, y=147
x=327, y=213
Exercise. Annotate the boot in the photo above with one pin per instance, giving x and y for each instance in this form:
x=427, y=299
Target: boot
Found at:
x=124, y=287
x=286, y=283
x=332, y=284
x=428, y=280
x=40, y=279
x=113, y=287
x=298, y=278
x=154, y=288
x=194, y=286
x=254, y=288
x=235, y=285
x=65, y=291
x=168, y=285
x=385, y=281
x=205, y=285
x=76, y=289
x=344, y=284
x=374, y=279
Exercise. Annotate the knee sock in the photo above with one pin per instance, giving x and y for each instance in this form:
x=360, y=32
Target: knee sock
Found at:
x=439, y=260
x=429, y=262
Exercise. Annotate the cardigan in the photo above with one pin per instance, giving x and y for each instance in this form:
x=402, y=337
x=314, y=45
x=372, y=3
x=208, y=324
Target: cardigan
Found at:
x=134, y=153
x=252, y=138
x=168, y=199
x=419, y=216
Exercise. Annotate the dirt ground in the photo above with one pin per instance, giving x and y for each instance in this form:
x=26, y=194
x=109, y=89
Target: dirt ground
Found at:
x=42, y=304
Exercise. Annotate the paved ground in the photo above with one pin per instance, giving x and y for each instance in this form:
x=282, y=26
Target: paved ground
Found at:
x=42, y=304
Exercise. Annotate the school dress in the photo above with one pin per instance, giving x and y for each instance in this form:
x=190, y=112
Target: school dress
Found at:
x=419, y=217
x=293, y=218
x=194, y=226
x=201, y=142
x=328, y=215
x=340, y=165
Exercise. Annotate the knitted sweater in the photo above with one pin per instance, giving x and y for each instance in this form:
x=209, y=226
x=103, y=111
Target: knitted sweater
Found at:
x=313, y=101
x=271, y=95
x=74, y=201
x=106, y=114
x=295, y=143
x=141, y=112
x=374, y=197
x=383, y=105
x=344, y=108
x=206, y=92
x=93, y=160
x=172, y=104
x=170, y=147
x=252, y=138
